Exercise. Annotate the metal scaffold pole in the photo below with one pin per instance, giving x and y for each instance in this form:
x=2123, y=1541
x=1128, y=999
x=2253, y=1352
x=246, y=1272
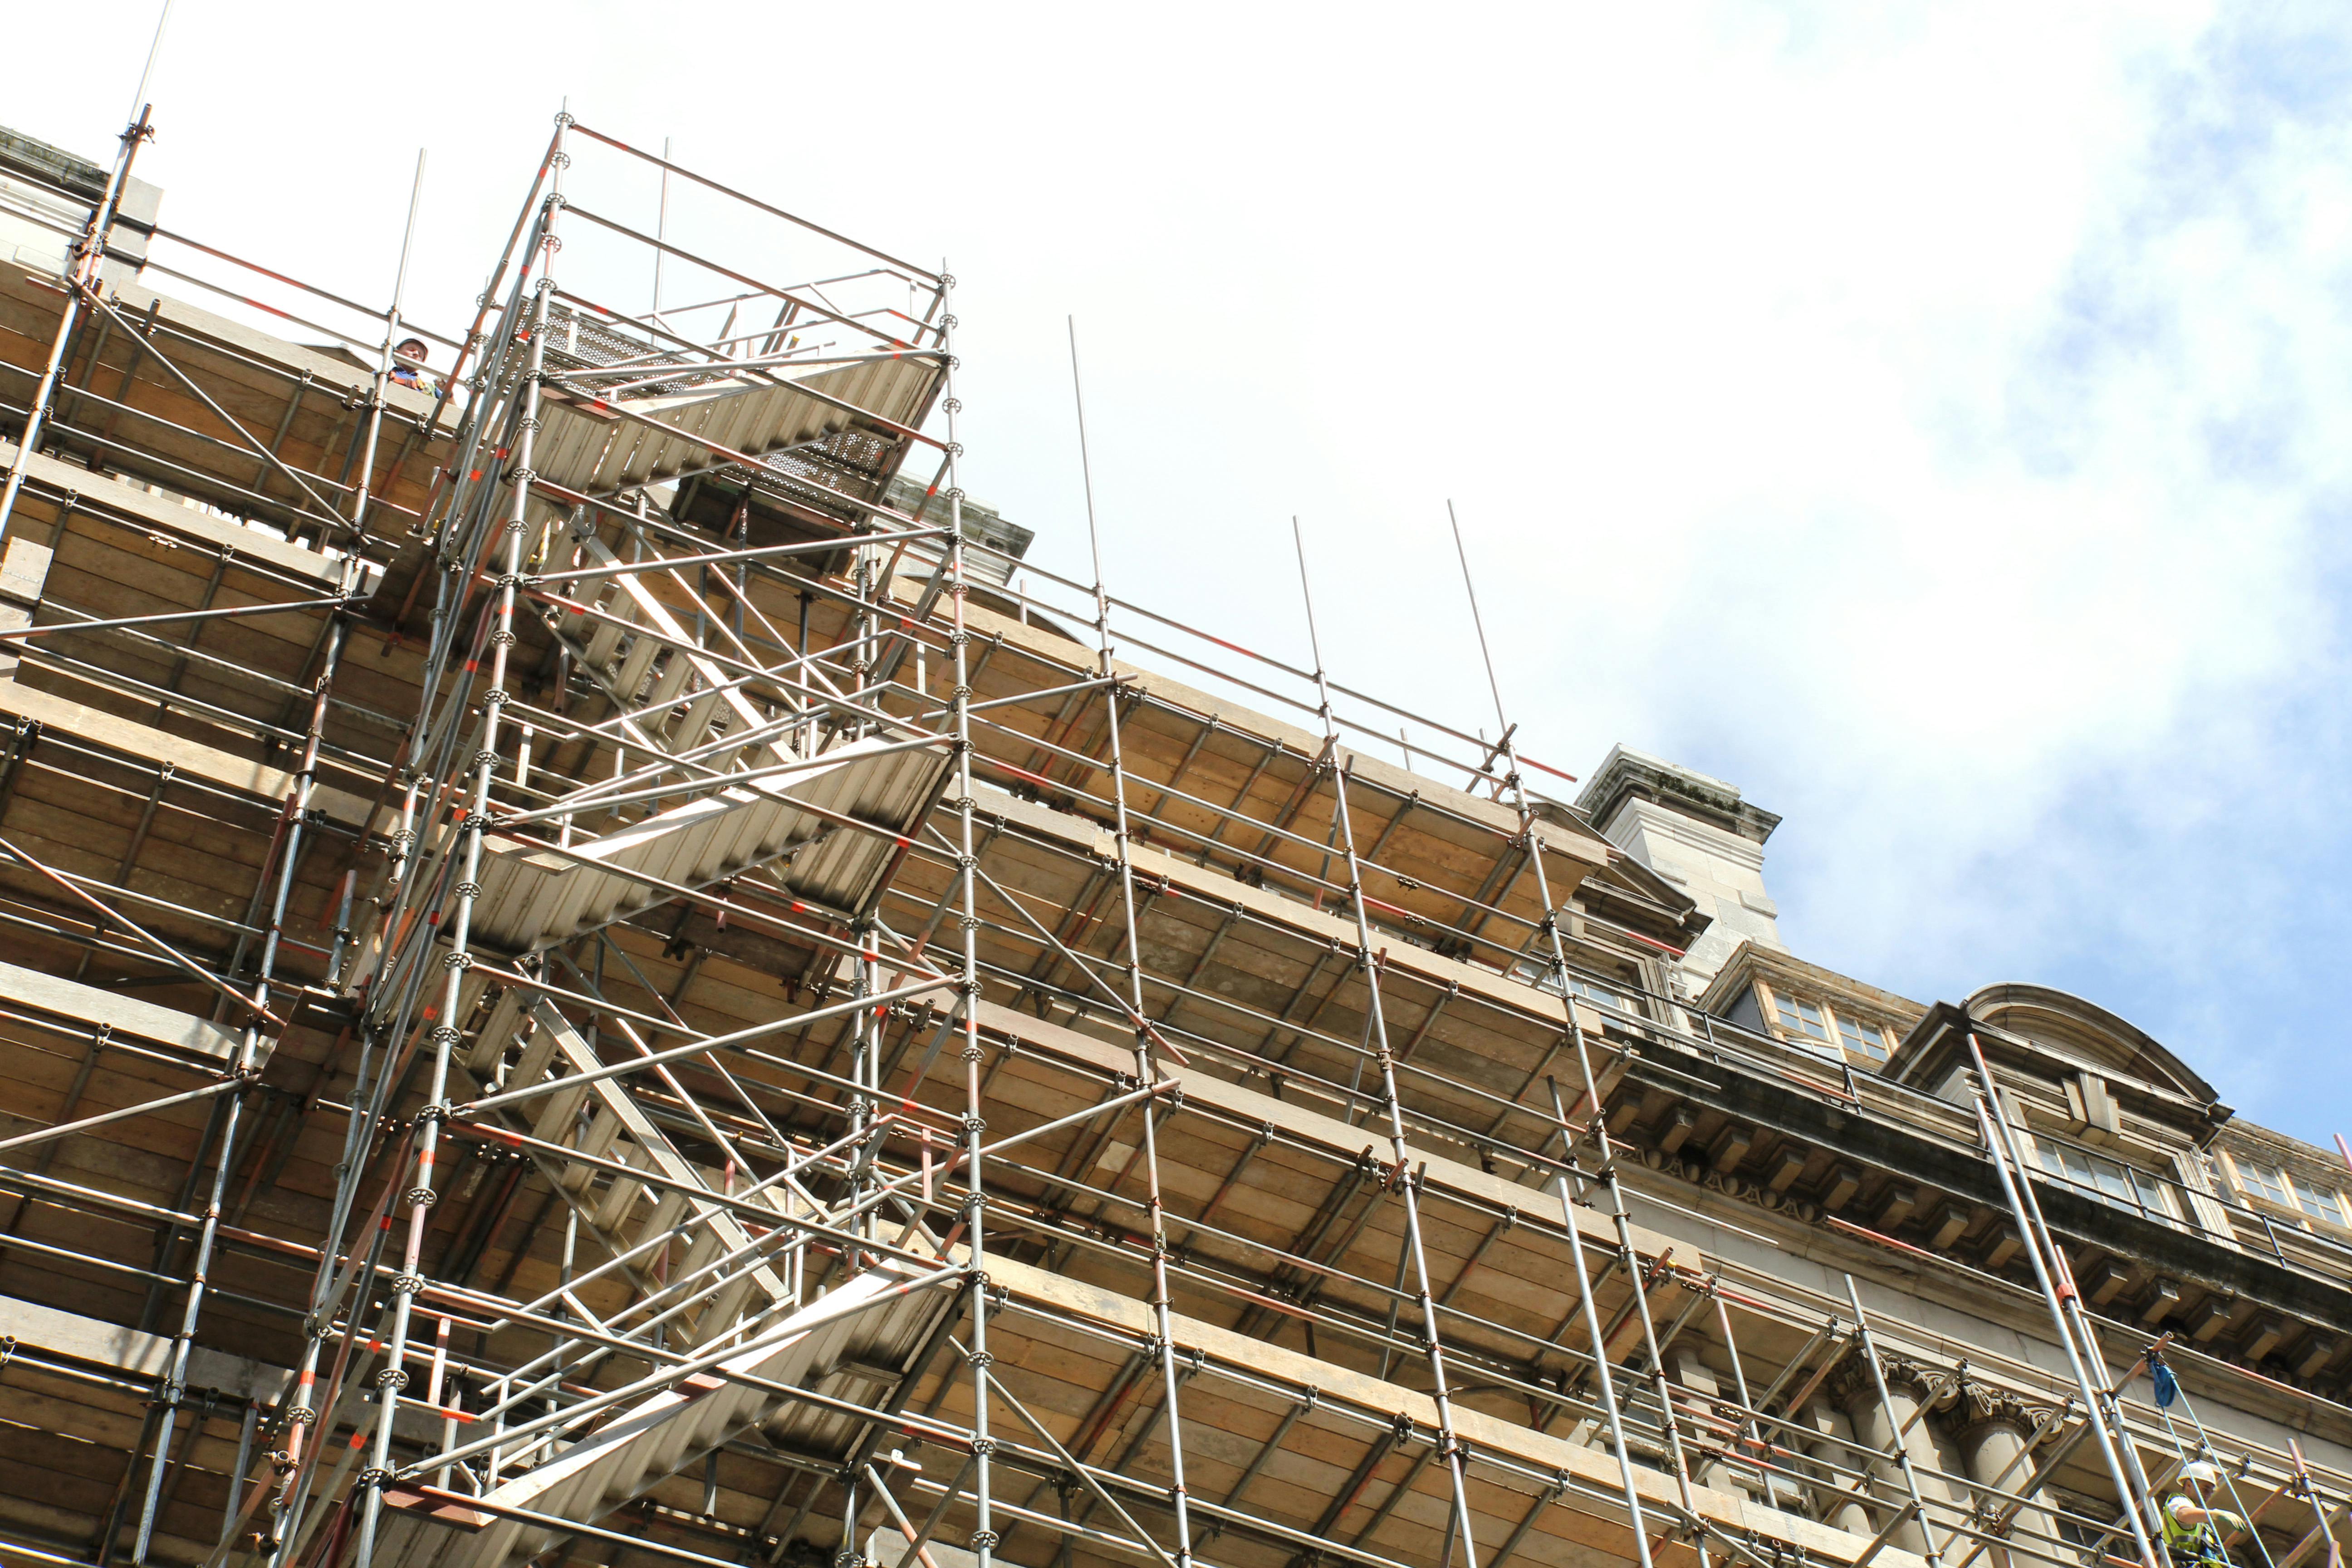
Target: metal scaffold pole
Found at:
x=1148, y=1068
x=1589, y=1310
x=246, y=1069
x=1900, y=1451
x=2056, y=1282
x=1588, y=1104
x=968, y=984
x=421, y=1197
x=81, y=278
x=1406, y=1180
x=392, y=322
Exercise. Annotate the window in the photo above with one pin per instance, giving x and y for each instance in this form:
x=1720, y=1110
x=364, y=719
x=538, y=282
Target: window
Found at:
x=2110, y=1181
x=2295, y=1194
x=2092, y=1543
x=1592, y=991
x=1801, y=1020
x=2319, y=1203
x=2262, y=1182
x=1599, y=995
x=1863, y=1039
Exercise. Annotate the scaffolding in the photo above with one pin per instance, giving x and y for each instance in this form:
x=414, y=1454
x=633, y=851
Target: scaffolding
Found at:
x=803, y=1049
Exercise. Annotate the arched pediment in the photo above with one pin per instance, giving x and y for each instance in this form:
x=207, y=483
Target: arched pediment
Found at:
x=2069, y=1027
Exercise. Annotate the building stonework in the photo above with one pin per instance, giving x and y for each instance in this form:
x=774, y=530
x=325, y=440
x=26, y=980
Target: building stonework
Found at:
x=1696, y=833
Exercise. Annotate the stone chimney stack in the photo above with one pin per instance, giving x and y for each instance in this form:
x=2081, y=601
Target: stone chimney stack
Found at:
x=1696, y=833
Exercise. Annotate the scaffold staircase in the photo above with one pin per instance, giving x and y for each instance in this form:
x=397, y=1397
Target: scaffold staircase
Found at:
x=680, y=409
x=842, y=815
x=655, y=1435
x=842, y=820
x=618, y=637
x=788, y=1335
x=602, y=1121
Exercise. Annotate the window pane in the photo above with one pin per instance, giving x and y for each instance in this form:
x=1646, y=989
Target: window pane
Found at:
x=1867, y=1040
x=1542, y=975
x=2262, y=1182
x=2111, y=1182
x=1802, y=1017
x=2319, y=1203
x=1596, y=994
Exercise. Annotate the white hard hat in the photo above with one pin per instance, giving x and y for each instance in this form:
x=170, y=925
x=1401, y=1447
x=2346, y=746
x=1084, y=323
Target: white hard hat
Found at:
x=2199, y=1471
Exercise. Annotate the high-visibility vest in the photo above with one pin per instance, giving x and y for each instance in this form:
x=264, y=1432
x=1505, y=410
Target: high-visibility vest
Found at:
x=2186, y=1537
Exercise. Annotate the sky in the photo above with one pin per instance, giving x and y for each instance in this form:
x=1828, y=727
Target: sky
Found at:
x=1931, y=418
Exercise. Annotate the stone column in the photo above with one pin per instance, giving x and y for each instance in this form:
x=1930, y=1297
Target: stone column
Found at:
x=1833, y=1501
x=1910, y=1389
x=1701, y=1429
x=1994, y=1427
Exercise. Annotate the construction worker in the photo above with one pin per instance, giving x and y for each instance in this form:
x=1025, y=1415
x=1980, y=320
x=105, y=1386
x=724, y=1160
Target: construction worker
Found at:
x=2194, y=1529
x=408, y=367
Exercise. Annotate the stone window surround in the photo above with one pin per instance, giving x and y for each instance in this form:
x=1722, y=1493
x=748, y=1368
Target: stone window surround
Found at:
x=2038, y=1111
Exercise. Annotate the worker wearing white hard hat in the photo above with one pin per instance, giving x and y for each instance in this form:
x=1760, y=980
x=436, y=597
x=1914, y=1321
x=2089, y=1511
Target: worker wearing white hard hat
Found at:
x=408, y=367
x=2194, y=1529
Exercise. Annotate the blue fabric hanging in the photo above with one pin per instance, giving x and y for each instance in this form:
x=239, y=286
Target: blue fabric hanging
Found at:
x=2167, y=1388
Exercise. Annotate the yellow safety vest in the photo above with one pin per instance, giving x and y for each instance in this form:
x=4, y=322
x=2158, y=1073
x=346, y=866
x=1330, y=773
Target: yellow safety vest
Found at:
x=2186, y=1537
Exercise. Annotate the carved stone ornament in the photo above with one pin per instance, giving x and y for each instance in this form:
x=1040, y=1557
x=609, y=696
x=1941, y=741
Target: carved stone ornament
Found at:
x=1851, y=1384
x=1982, y=1405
